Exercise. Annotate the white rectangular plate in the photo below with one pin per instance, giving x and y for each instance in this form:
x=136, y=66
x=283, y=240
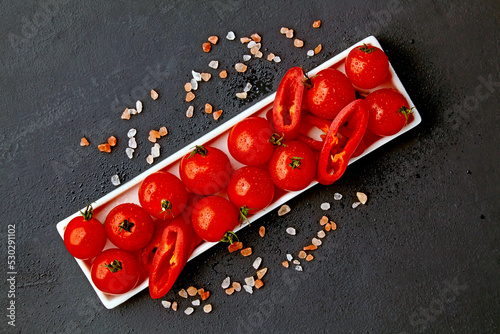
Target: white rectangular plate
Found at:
x=127, y=193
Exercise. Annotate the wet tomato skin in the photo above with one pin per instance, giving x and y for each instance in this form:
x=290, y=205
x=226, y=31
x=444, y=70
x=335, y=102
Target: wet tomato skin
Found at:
x=84, y=239
x=367, y=66
x=213, y=216
x=389, y=112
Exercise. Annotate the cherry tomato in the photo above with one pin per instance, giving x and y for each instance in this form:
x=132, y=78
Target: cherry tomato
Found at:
x=213, y=216
x=389, y=112
x=85, y=236
x=205, y=171
x=163, y=195
x=115, y=271
x=366, y=66
x=250, y=189
x=292, y=166
x=249, y=141
x=330, y=91
x=129, y=227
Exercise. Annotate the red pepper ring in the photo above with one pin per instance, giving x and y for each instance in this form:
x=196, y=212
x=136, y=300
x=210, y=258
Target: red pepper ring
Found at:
x=332, y=164
x=176, y=246
x=309, y=121
x=287, y=106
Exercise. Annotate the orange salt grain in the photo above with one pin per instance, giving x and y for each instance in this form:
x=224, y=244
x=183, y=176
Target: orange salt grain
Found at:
x=230, y=291
x=152, y=139
x=223, y=74
x=309, y=257
x=328, y=227
x=334, y=226
x=262, y=231
x=84, y=142
x=285, y=264
x=310, y=247
x=126, y=114
x=256, y=37
x=104, y=148
x=235, y=246
x=213, y=39
x=298, y=43
x=205, y=295
x=208, y=108
x=317, y=24
x=207, y=47
x=112, y=141
x=188, y=87
x=174, y=306
x=192, y=291
x=258, y=283
x=289, y=33
x=302, y=254
x=201, y=291
x=318, y=49
x=323, y=220
x=163, y=131
x=217, y=114
x=206, y=76
x=154, y=133
x=190, y=97
x=154, y=94
x=246, y=252
x=271, y=56
x=244, y=40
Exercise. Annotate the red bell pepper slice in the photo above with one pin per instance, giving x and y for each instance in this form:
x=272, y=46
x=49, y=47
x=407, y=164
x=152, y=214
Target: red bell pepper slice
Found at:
x=149, y=251
x=337, y=148
x=287, y=106
x=309, y=121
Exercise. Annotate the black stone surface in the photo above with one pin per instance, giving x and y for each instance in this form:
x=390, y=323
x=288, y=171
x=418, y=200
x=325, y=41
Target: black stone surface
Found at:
x=421, y=256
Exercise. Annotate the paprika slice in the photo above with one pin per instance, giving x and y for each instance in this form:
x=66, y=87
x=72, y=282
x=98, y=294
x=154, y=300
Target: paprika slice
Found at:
x=310, y=121
x=287, y=106
x=337, y=149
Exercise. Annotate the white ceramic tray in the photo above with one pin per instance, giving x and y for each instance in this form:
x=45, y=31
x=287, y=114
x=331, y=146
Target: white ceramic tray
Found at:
x=127, y=193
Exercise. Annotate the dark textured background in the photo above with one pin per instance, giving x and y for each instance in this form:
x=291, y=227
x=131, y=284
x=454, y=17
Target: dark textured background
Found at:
x=423, y=254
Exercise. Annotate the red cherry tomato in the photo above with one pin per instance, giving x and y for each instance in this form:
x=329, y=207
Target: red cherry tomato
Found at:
x=249, y=141
x=389, y=112
x=330, y=92
x=85, y=236
x=115, y=271
x=250, y=189
x=129, y=227
x=366, y=66
x=163, y=195
x=206, y=170
x=292, y=166
x=213, y=216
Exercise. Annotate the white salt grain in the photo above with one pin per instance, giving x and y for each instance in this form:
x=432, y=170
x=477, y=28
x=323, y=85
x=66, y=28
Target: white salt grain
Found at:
x=247, y=57
x=337, y=196
x=310, y=53
x=189, y=310
x=207, y=308
x=155, y=150
x=131, y=133
x=355, y=205
x=289, y=257
x=298, y=268
x=132, y=111
x=321, y=234
x=257, y=262
x=166, y=304
x=196, y=75
x=251, y=44
x=230, y=36
x=250, y=281
x=138, y=106
x=316, y=242
x=213, y=64
x=194, y=84
x=241, y=95
x=189, y=112
x=132, y=143
x=325, y=206
x=283, y=210
x=226, y=282
x=291, y=231
x=296, y=262
x=196, y=302
x=248, y=289
x=130, y=152
x=115, y=180
x=277, y=59
x=248, y=86
x=149, y=159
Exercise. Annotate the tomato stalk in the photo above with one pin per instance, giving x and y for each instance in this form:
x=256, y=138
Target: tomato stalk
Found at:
x=295, y=162
x=166, y=208
x=125, y=225
x=229, y=236
x=114, y=266
x=201, y=150
x=87, y=214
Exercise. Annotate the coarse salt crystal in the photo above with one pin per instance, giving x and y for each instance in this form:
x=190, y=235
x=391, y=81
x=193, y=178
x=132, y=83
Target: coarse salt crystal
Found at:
x=248, y=289
x=131, y=133
x=155, y=150
x=126, y=114
x=138, y=106
x=261, y=273
x=183, y=293
x=291, y=231
x=283, y=210
x=166, y=304
x=355, y=205
x=206, y=76
x=196, y=302
x=150, y=159
x=251, y=44
x=250, y=281
x=283, y=30
x=129, y=152
x=316, y=242
x=257, y=262
x=132, y=111
x=226, y=282
x=289, y=257
x=154, y=94
x=240, y=67
x=132, y=143
x=207, y=308
x=115, y=180
x=247, y=57
x=289, y=33
x=362, y=197
x=230, y=36
x=189, y=310
x=237, y=286
x=321, y=234
x=248, y=86
x=277, y=59
x=296, y=262
x=241, y=95
x=337, y=196
x=196, y=75
x=298, y=268
x=310, y=53
x=213, y=64
x=189, y=112
x=194, y=84
x=325, y=206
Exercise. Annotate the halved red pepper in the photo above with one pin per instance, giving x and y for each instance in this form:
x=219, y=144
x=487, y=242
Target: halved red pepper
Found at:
x=337, y=148
x=177, y=243
x=287, y=106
